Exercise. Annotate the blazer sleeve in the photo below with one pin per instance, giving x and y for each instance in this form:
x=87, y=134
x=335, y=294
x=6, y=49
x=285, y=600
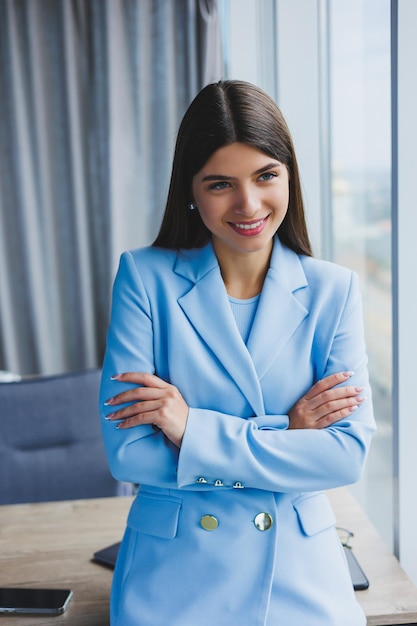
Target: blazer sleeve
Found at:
x=139, y=454
x=262, y=453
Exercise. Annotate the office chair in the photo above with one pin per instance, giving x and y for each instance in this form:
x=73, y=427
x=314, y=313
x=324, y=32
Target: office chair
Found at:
x=51, y=444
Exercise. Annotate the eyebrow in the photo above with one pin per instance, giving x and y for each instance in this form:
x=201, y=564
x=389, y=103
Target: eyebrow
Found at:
x=262, y=169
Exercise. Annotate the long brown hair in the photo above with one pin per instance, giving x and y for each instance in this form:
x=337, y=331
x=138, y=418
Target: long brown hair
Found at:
x=223, y=113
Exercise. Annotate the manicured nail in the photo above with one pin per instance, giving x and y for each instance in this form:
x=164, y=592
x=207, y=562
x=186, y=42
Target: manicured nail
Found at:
x=352, y=409
x=348, y=374
x=116, y=377
x=109, y=416
x=359, y=389
x=108, y=402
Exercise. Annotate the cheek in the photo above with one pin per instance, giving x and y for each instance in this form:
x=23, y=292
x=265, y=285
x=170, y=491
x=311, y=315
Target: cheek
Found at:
x=284, y=198
x=286, y=201
x=280, y=200
x=201, y=201
x=210, y=209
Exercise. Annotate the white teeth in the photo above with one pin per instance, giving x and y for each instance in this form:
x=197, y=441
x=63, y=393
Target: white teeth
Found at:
x=249, y=226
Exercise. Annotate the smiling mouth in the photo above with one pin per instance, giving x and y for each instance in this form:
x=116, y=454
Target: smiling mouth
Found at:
x=251, y=226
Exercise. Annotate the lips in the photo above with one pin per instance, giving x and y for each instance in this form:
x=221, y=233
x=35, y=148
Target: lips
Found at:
x=249, y=228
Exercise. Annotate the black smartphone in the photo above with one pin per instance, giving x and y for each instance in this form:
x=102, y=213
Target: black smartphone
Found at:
x=357, y=574
x=17, y=601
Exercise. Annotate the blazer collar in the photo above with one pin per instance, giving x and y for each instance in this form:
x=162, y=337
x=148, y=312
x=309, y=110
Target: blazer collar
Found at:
x=208, y=310
x=194, y=264
x=280, y=312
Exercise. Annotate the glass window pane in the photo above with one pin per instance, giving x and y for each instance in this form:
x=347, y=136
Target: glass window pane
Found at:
x=361, y=210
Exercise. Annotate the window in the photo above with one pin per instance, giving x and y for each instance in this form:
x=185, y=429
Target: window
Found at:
x=360, y=92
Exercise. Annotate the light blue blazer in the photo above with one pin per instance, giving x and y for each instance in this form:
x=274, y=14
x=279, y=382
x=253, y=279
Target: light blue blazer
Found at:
x=235, y=529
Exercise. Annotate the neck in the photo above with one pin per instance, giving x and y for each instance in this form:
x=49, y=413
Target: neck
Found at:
x=243, y=273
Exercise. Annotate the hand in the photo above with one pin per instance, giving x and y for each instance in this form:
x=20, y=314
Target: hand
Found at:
x=324, y=404
x=154, y=402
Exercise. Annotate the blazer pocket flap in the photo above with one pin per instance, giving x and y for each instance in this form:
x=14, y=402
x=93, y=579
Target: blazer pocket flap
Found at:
x=314, y=513
x=155, y=516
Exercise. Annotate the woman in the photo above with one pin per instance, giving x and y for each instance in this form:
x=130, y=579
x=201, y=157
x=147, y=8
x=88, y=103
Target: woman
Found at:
x=234, y=389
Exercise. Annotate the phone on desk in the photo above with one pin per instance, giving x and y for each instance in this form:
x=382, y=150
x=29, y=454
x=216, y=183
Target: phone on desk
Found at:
x=18, y=601
x=359, y=579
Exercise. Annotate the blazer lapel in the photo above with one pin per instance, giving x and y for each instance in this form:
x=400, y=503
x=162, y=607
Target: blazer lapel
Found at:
x=208, y=310
x=279, y=311
x=279, y=315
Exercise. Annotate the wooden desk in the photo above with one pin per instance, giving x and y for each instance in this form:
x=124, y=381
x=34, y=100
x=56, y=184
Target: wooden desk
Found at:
x=51, y=545
x=391, y=597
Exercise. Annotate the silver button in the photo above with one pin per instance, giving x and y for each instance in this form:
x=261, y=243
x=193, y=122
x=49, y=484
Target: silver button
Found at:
x=263, y=521
x=209, y=522
x=237, y=485
x=218, y=483
x=201, y=480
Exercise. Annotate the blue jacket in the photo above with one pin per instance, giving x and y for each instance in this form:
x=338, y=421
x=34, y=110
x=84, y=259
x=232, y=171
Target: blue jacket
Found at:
x=234, y=529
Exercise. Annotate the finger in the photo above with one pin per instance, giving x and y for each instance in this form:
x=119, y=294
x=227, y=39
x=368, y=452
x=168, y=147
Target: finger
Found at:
x=334, y=406
x=138, y=420
x=335, y=394
x=139, y=408
x=136, y=394
x=332, y=418
x=327, y=383
x=141, y=378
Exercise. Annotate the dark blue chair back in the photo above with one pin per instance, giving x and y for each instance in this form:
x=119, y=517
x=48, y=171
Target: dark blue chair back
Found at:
x=51, y=445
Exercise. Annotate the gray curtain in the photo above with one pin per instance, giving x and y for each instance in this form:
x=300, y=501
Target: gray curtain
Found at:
x=91, y=95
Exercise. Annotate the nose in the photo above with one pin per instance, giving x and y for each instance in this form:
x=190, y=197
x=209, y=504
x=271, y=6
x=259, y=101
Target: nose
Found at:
x=247, y=202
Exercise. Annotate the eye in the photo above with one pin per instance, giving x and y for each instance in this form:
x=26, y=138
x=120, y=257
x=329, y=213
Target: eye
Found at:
x=267, y=176
x=221, y=184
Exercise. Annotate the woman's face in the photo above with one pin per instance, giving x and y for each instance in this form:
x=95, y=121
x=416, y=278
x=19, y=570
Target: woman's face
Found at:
x=242, y=196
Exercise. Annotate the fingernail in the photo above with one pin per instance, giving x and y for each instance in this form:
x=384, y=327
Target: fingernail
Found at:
x=109, y=416
x=359, y=389
x=108, y=402
x=348, y=374
x=362, y=399
x=116, y=377
x=353, y=408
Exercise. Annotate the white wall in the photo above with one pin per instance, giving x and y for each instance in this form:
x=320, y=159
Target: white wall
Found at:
x=405, y=313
